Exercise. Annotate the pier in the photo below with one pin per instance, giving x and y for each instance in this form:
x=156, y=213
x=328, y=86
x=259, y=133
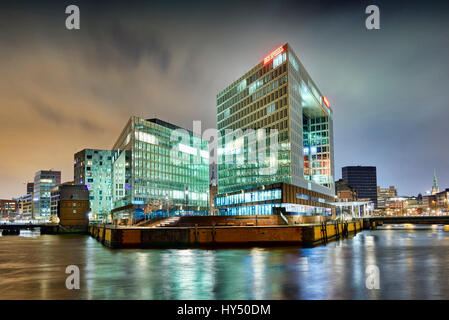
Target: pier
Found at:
x=197, y=235
x=45, y=228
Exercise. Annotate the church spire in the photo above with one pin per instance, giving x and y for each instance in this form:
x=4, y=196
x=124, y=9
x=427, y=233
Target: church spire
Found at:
x=435, y=188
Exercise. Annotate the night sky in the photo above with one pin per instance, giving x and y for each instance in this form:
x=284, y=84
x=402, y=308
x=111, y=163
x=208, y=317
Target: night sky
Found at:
x=62, y=91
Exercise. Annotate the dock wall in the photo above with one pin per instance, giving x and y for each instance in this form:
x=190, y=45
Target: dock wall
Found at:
x=197, y=236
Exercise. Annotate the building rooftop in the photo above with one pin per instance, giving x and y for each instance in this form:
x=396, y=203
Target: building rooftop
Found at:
x=168, y=125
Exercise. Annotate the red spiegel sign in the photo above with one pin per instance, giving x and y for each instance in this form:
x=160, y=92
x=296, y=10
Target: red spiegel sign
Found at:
x=273, y=54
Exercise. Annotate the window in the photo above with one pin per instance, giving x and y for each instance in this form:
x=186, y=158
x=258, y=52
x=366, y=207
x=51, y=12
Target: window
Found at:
x=270, y=108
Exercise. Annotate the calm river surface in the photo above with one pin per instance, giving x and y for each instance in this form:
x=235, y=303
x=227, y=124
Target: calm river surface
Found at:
x=413, y=264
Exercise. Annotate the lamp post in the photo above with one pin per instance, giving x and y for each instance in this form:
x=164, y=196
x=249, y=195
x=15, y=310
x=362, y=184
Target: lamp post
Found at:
x=208, y=202
x=168, y=210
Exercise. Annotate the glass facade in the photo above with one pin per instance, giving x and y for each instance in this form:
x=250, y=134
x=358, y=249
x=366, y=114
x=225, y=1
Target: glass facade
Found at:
x=262, y=202
x=276, y=94
x=267, y=209
x=247, y=197
x=364, y=180
x=155, y=161
x=93, y=168
x=44, y=181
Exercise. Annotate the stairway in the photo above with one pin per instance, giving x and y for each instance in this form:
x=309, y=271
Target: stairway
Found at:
x=169, y=222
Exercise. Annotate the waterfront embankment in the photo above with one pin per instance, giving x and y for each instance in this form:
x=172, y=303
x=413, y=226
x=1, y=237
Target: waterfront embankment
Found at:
x=228, y=235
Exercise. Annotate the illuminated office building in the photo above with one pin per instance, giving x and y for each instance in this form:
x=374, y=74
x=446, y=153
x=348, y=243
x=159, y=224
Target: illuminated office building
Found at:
x=279, y=97
x=159, y=167
x=44, y=181
x=93, y=168
x=292, y=200
x=279, y=94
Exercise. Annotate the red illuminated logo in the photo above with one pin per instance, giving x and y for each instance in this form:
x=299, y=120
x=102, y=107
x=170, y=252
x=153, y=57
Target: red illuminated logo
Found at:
x=272, y=55
x=326, y=102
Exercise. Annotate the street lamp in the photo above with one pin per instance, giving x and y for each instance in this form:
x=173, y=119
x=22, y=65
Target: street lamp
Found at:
x=168, y=210
x=208, y=202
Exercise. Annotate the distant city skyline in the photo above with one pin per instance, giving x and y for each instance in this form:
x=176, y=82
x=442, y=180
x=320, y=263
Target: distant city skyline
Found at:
x=63, y=91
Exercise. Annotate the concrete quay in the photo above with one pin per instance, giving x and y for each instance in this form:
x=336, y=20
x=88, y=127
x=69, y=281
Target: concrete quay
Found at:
x=227, y=235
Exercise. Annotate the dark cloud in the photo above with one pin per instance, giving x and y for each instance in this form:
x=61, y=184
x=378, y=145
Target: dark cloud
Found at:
x=47, y=113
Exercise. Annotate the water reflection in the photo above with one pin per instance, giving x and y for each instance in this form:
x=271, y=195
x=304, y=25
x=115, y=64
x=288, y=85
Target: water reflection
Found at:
x=34, y=233
x=413, y=264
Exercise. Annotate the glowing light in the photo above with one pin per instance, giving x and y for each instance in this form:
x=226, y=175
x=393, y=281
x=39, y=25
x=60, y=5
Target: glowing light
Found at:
x=145, y=137
x=273, y=54
x=326, y=102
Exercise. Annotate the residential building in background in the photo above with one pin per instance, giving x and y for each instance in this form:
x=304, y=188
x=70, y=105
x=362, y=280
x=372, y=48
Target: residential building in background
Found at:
x=44, y=181
x=25, y=203
x=26, y=206
x=437, y=203
x=384, y=195
x=8, y=208
x=157, y=162
x=70, y=203
x=30, y=187
x=279, y=97
x=442, y=198
x=93, y=168
x=53, y=200
x=364, y=180
x=345, y=192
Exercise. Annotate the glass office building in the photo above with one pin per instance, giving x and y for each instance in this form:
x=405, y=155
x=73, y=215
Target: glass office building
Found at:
x=363, y=179
x=44, y=181
x=294, y=202
x=277, y=94
x=93, y=168
x=159, y=167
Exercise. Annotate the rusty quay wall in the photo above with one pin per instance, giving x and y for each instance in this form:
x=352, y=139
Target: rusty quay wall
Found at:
x=197, y=236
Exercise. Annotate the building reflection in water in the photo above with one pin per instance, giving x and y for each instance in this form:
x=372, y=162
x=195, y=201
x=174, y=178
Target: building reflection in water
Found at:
x=258, y=265
x=413, y=264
